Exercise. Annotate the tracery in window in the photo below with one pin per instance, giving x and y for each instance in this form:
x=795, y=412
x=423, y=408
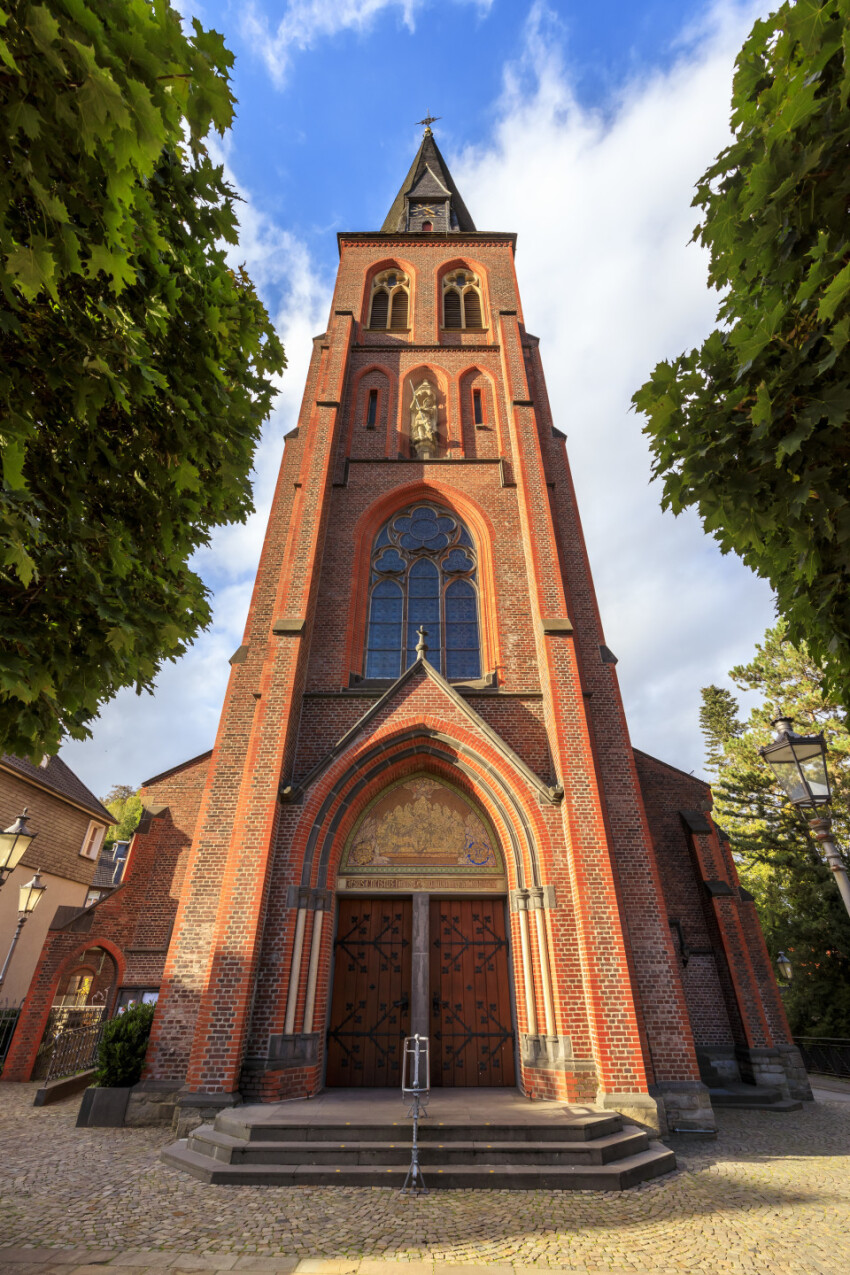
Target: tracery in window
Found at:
x=424, y=573
x=462, y=300
x=388, y=305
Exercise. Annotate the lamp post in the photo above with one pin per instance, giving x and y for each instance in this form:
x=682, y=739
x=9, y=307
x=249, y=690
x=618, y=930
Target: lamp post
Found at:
x=28, y=898
x=14, y=843
x=799, y=764
x=786, y=969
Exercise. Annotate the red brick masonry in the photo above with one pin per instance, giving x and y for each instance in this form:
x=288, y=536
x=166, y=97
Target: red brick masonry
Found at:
x=633, y=949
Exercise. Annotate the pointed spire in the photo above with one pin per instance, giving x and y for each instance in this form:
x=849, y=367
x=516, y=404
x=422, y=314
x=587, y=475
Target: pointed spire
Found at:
x=428, y=198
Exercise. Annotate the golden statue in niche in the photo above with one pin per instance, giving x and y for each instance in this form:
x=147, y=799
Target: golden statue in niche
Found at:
x=421, y=825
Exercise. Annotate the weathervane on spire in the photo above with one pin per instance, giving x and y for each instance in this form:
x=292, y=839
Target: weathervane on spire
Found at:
x=428, y=121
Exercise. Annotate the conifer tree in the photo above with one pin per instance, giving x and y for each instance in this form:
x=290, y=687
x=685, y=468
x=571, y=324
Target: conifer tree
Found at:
x=799, y=906
x=718, y=720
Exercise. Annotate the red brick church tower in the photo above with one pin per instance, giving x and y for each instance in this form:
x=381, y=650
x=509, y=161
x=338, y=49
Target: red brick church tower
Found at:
x=422, y=811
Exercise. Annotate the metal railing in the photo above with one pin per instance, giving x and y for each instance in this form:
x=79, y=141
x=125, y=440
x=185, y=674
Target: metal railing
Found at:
x=63, y=1019
x=825, y=1055
x=75, y=1051
x=8, y=1022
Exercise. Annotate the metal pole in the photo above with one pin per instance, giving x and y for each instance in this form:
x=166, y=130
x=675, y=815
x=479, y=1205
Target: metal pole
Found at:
x=822, y=828
x=22, y=916
x=414, y=1181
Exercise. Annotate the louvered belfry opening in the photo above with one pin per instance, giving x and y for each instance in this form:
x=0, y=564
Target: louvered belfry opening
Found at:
x=380, y=305
x=472, y=309
x=398, y=319
x=451, y=309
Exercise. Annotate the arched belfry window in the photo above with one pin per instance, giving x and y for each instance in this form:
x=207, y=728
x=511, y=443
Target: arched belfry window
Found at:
x=424, y=573
x=462, y=300
x=389, y=302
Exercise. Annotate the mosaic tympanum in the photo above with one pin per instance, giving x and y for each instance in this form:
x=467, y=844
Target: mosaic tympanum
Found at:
x=421, y=824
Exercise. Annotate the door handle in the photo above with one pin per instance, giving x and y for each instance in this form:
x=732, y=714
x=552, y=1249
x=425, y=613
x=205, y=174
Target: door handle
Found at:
x=435, y=1003
x=403, y=1004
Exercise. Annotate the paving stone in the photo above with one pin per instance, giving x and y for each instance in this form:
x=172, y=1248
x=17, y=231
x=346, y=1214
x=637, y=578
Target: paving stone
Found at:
x=186, y=1262
x=770, y=1197
x=389, y=1266
x=14, y=1255
x=326, y=1266
x=278, y=1265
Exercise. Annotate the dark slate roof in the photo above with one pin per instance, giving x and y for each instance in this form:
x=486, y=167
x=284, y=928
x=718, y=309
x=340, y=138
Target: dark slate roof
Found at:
x=428, y=157
x=60, y=779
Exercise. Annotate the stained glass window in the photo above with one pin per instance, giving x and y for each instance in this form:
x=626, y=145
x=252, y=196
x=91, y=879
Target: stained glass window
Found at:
x=424, y=575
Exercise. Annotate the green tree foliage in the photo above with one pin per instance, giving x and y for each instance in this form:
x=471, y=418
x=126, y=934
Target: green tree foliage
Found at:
x=121, y=1053
x=799, y=905
x=751, y=428
x=718, y=721
x=125, y=806
x=135, y=365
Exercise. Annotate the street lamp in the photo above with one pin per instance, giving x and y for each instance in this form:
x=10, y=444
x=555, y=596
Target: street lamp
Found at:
x=14, y=843
x=786, y=969
x=799, y=764
x=28, y=898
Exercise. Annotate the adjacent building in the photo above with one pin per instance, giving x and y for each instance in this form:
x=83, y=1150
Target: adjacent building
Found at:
x=70, y=824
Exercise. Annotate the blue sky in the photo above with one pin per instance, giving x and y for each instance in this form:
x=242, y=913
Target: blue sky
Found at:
x=326, y=143
x=581, y=126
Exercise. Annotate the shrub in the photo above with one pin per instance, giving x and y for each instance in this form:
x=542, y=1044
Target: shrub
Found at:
x=121, y=1055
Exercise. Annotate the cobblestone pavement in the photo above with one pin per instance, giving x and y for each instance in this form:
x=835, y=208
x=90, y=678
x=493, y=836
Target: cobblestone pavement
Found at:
x=771, y=1196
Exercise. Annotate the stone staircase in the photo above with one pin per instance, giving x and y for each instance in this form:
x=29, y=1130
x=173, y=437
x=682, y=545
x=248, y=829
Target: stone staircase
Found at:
x=746, y=1097
x=561, y=1148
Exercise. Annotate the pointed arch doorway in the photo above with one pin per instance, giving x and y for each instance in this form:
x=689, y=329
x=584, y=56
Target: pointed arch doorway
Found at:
x=422, y=943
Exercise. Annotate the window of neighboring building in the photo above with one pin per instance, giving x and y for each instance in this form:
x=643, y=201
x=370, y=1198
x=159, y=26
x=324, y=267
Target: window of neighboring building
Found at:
x=424, y=573
x=372, y=409
x=92, y=841
x=477, y=408
x=462, y=300
x=129, y=996
x=388, y=305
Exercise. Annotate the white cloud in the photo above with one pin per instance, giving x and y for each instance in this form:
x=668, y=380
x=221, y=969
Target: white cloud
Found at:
x=137, y=736
x=611, y=285
x=305, y=22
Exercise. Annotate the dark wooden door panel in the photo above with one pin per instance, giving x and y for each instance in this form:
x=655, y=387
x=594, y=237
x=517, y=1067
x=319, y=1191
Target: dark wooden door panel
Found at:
x=370, y=1007
x=472, y=1036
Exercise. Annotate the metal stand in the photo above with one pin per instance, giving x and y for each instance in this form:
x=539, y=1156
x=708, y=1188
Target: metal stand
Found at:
x=416, y=1085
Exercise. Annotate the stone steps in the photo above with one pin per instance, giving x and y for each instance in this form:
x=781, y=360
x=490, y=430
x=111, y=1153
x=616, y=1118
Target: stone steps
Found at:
x=630, y=1171
x=228, y=1150
x=240, y=1122
x=751, y=1098
x=553, y=1147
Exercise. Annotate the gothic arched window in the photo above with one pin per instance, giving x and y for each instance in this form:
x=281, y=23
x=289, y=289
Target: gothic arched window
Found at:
x=462, y=300
x=388, y=304
x=423, y=573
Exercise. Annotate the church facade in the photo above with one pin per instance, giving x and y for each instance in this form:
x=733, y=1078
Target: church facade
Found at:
x=422, y=812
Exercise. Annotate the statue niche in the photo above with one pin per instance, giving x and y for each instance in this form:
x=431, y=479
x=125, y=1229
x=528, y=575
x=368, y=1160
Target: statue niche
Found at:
x=423, y=421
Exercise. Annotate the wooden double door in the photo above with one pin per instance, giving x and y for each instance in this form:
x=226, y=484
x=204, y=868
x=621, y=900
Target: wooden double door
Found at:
x=461, y=979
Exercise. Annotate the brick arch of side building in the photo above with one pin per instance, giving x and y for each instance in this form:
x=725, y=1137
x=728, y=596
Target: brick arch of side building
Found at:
x=367, y=528
x=388, y=263
x=410, y=746
x=387, y=410
x=58, y=958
